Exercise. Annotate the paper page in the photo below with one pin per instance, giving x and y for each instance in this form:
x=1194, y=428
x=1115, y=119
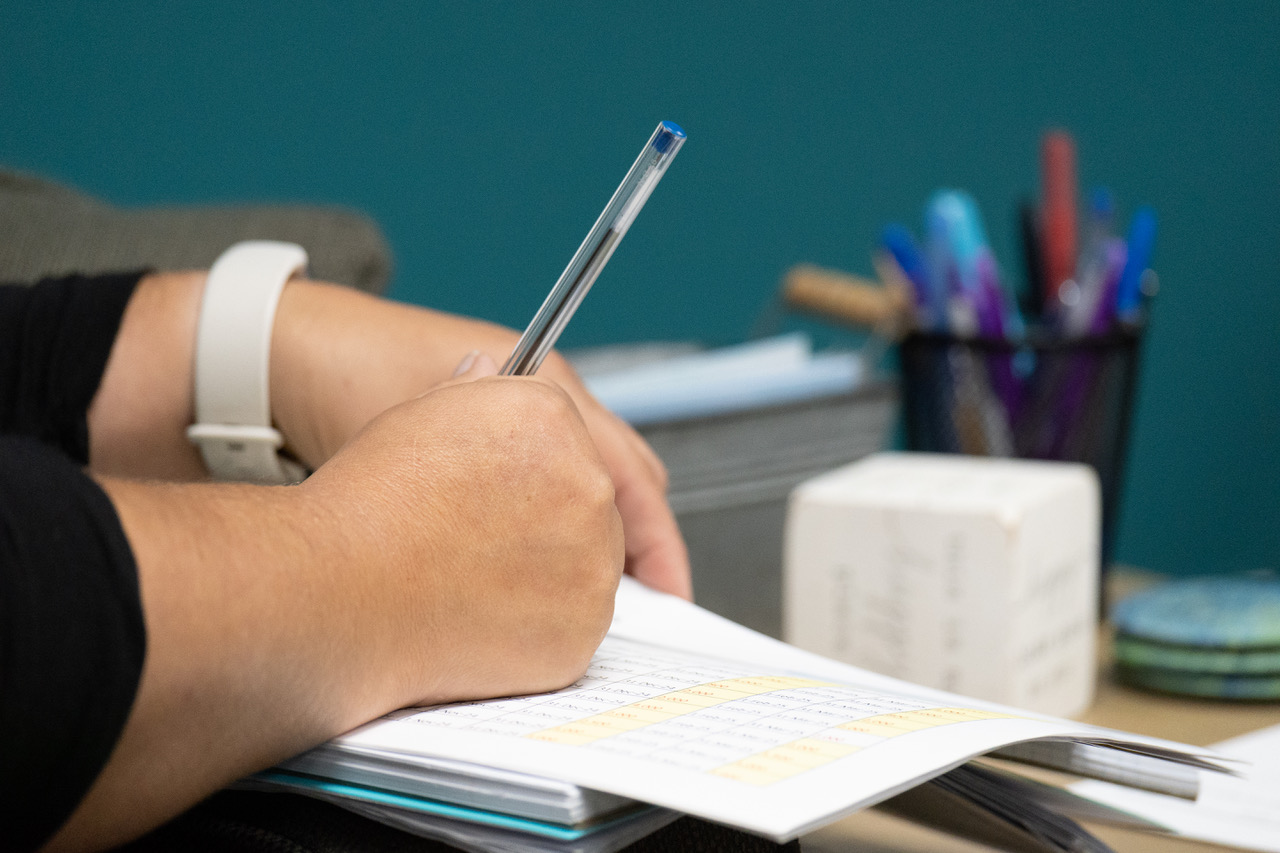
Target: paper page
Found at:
x=645, y=615
x=748, y=745
x=652, y=617
x=1242, y=811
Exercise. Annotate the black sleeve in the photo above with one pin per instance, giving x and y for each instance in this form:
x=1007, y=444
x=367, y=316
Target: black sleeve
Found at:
x=54, y=341
x=72, y=638
x=72, y=635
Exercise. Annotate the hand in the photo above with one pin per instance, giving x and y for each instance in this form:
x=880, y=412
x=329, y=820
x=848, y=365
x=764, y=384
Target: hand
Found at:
x=340, y=357
x=496, y=541
x=464, y=545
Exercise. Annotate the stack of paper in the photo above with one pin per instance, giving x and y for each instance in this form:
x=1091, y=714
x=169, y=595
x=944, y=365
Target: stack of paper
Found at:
x=1240, y=810
x=733, y=379
x=686, y=711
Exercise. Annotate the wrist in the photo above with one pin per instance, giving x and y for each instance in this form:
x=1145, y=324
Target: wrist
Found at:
x=144, y=402
x=233, y=425
x=308, y=358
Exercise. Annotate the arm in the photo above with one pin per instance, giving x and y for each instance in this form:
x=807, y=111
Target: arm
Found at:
x=339, y=357
x=280, y=617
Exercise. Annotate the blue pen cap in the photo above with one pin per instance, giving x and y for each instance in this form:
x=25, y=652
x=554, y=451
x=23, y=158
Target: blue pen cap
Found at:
x=668, y=133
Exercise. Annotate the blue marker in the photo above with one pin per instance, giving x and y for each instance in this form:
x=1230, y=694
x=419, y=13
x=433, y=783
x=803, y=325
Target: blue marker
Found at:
x=1142, y=237
x=899, y=243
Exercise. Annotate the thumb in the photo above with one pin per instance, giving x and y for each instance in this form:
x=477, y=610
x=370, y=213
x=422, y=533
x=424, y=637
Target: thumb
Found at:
x=475, y=365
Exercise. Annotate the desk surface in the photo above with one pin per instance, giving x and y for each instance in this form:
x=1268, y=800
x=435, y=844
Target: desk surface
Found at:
x=1117, y=706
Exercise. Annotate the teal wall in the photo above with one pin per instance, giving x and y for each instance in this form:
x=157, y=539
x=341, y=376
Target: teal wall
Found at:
x=486, y=137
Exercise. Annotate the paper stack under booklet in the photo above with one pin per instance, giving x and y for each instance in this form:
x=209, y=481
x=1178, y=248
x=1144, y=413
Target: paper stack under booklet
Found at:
x=683, y=712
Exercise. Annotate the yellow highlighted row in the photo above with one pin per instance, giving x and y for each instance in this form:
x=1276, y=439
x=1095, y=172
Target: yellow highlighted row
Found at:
x=791, y=759
x=668, y=705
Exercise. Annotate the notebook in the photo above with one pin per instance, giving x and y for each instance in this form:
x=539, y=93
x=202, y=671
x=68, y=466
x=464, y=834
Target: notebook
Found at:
x=682, y=711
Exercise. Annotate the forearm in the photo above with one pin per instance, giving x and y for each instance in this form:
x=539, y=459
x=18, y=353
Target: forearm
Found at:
x=244, y=664
x=326, y=379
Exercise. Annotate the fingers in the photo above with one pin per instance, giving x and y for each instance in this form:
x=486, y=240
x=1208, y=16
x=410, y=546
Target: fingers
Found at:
x=655, y=550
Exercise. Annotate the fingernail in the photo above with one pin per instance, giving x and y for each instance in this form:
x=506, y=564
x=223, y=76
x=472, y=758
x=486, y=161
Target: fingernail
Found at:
x=467, y=361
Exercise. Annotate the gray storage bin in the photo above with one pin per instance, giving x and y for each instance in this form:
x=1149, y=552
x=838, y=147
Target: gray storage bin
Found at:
x=730, y=477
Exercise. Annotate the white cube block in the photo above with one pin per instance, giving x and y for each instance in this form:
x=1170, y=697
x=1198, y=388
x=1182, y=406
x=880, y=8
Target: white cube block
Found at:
x=973, y=575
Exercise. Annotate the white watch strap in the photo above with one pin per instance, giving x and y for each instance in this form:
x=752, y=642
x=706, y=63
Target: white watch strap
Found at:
x=232, y=367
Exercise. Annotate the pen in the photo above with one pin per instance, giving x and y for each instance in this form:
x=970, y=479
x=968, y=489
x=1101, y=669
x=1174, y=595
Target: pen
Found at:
x=1105, y=310
x=585, y=265
x=1058, y=216
x=930, y=306
x=1032, y=257
x=1142, y=235
x=1078, y=302
x=993, y=324
x=956, y=239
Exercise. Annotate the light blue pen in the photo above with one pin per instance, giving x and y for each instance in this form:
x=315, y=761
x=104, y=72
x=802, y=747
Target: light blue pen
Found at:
x=595, y=251
x=956, y=239
x=956, y=220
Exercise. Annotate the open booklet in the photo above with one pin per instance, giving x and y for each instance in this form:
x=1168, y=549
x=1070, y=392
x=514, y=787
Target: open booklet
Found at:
x=686, y=711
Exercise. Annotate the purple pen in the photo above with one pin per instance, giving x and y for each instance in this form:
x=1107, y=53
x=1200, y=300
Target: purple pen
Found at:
x=989, y=304
x=1104, y=313
x=1084, y=369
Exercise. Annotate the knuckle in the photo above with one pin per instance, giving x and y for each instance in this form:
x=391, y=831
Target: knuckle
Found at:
x=597, y=486
x=549, y=397
x=660, y=474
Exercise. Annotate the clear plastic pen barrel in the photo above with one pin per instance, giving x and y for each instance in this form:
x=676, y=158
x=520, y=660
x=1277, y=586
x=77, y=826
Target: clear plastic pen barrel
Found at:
x=594, y=253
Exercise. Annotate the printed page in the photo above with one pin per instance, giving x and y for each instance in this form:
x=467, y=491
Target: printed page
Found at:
x=655, y=618
x=752, y=746
x=647, y=616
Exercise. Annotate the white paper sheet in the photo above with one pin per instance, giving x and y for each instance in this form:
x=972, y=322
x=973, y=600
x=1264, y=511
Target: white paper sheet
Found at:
x=747, y=731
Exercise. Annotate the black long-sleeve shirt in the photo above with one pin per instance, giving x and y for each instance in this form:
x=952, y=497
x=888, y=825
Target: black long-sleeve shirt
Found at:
x=72, y=635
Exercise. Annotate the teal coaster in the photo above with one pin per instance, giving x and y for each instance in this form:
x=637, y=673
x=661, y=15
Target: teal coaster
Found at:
x=1134, y=652
x=1204, y=685
x=1216, y=613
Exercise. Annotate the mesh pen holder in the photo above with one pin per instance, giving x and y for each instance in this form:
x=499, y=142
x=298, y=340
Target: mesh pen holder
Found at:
x=1040, y=398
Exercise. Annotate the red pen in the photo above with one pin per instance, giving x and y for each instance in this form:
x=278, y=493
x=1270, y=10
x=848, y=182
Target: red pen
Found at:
x=1058, y=211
